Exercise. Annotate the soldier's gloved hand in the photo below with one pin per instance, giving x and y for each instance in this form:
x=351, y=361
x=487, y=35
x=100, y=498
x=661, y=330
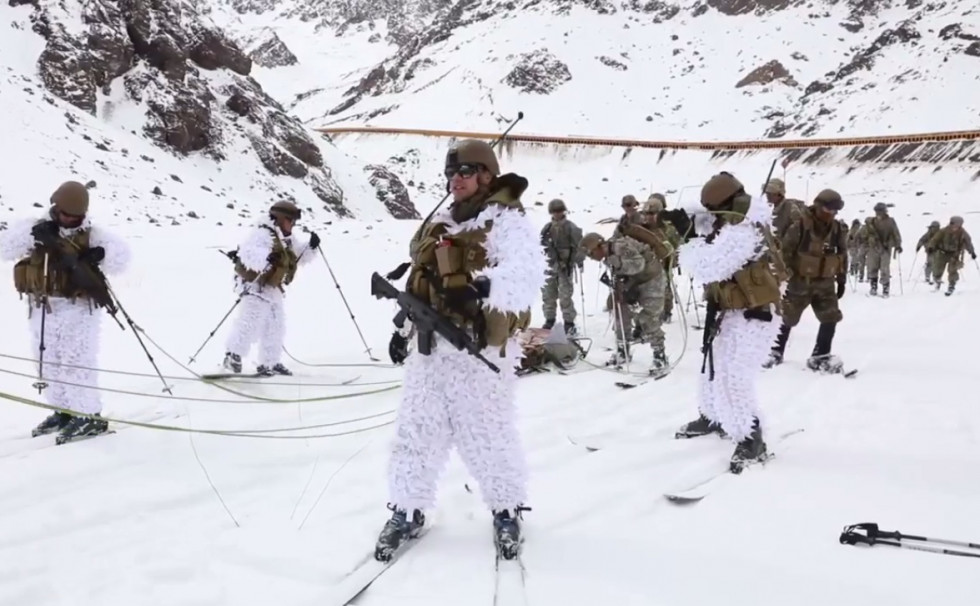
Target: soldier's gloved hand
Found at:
x=273, y=259
x=314, y=240
x=898, y=249
x=604, y=279
x=233, y=255
x=93, y=255
x=918, y=248
x=45, y=231
x=974, y=256
x=397, y=348
x=475, y=290
x=841, y=285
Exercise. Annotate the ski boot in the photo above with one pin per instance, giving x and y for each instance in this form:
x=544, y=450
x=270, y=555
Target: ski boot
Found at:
x=396, y=531
x=620, y=358
x=548, y=324
x=950, y=289
x=827, y=364
x=570, y=330
x=660, y=364
x=884, y=290
x=666, y=317
x=53, y=423
x=701, y=426
x=775, y=359
x=750, y=450
x=874, y=287
x=82, y=427
x=507, y=537
x=232, y=362
x=278, y=369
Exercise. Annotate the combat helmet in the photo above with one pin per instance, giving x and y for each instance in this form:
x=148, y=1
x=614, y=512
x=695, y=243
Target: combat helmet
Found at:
x=653, y=205
x=956, y=220
x=881, y=207
x=71, y=198
x=557, y=206
x=473, y=151
x=829, y=199
x=286, y=210
x=936, y=223
x=590, y=242
x=775, y=186
x=719, y=189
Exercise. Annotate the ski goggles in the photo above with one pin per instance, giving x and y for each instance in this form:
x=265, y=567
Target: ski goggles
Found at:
x=463, y=170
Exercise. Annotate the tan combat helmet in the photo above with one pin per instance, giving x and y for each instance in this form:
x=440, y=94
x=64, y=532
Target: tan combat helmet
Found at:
x=775, y=186
x=720, y=189
x=557, y=206
x=590, y=242
x=629, y=200
x=654, y=205
x=285, y=209
x=936, y=223
x=473, y=151
x=829, y=199
x=71, y=198
x=956, y=220
x=880, y=208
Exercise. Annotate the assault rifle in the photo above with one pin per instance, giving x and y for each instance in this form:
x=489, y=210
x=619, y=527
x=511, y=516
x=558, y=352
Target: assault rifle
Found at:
x=86, y=276
x=428, y=322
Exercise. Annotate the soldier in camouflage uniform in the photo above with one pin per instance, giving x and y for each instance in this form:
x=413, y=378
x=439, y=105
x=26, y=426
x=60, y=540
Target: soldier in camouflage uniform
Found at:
x=882, y=237
x=636, y=276
x=930, y=253
x=784, y=210
x=814, y=249
x=631, y=214
x=561, y=238
x=856, y=251
x=653, y=221
x=948, y=245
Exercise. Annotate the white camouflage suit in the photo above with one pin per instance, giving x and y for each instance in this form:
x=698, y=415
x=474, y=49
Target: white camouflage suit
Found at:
x=741, y=345
x=72, y=329
x=450, y=398
x=261, y=316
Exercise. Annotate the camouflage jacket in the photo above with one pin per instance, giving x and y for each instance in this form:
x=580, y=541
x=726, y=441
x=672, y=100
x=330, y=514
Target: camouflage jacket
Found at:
x=637, y=218
x=560, y=240
x=951, y=242
x=632, y=262
x=926, y=237
x=666, y=231
x=881, y=233
x=854, y=240
x=785, y=214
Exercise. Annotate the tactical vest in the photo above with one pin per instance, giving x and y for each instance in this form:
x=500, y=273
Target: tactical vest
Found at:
x=756, y=284
x=654, y=239
x=282, y=273
x=441, y=262
x=651, y=266
x=29, y=273
x=818, y=257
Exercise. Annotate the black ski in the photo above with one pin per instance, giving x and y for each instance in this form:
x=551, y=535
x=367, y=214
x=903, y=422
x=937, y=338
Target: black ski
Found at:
x=236, y=375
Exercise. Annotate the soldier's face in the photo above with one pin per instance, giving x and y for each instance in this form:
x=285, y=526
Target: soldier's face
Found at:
x=69, y=221
x=630, y=209
x=774, y=199
x=825, y=214
x=285, y=225
x=463, y=180
x=557, y=215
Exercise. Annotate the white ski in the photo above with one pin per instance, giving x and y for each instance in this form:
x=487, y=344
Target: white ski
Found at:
x=367, y=571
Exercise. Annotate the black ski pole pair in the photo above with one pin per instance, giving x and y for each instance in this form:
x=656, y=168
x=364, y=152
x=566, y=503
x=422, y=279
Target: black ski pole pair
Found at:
x=868, y=533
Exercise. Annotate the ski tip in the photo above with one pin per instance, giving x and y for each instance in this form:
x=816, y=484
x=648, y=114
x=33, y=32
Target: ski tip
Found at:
x=682, y=500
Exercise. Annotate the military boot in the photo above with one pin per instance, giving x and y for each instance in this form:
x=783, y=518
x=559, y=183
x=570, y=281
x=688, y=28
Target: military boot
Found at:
x=938, y=285
x=277, y=369
x=660, y=364
x=549, y=323
x=507, y=535
x=621, y=357
x=82, y=427
x=51, y=424
x=950, y=289
x=776, y=354
x=570, y=329
x=874, y=286
x=701, y=426
x=233, y=362
x=884, y=289
x=750, y=450
x=396, y=531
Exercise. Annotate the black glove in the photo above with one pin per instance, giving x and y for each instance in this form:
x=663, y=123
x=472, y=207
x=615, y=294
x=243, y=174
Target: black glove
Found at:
x=761, y=314
x=475, y=290
x=918, y=248
x=605, y=279
x=233, y=255
x=314, y=241
x=397, y=348
x=45, y=231
x=93, y=255
x=898, y=249
x=273, y=259
x=841, y=286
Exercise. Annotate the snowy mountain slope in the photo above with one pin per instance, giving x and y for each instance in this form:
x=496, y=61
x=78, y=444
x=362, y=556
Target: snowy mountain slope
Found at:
x=131, y=518
x=112, y=91
x=722, y=69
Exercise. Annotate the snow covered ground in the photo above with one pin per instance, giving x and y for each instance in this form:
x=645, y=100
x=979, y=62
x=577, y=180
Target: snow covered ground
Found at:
x=131, y=518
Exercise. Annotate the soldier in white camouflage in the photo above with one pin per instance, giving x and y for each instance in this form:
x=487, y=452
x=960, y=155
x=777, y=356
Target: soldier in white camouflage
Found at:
x=949, y=244
x=883, y=241
x=636, y=276
x=560, y=239
x=785, y=210
x=923, y=242
x=856, y=250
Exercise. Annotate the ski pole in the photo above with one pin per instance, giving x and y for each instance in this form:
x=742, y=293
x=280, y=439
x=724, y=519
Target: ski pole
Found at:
x=872, y=535
x=581, y=290
x=344, y=299
x=41, y=384
x=211, y=335
x=136, y=333
x=697, y=314
x=901, y=278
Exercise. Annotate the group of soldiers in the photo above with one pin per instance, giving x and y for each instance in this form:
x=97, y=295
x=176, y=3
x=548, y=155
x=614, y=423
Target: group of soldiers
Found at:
x=817, y=250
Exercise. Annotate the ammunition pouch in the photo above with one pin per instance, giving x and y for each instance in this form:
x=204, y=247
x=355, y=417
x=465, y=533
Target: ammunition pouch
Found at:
x=815, y=267
x=29, y=277
x=752, y=286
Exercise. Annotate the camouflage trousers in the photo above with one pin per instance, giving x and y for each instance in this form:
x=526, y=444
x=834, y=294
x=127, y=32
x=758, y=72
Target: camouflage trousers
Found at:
x=559, y=287
x=880, y=264
x=668, y=293
x=820, y=294
x=649, y=298
x=941, y=261
x=859, y=260
x=931, y=262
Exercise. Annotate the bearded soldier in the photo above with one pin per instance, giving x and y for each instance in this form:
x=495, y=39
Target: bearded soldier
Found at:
x=734, y=263
x=930, y=252
x=560, y=238
x=814, y=249
x=856, y=250
x=784, y=210
x=480, y=265
x=61, y=262
x=637, y=278
x=882, y=237
x=653, y=221
x=265, y=264
x=948, y=245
